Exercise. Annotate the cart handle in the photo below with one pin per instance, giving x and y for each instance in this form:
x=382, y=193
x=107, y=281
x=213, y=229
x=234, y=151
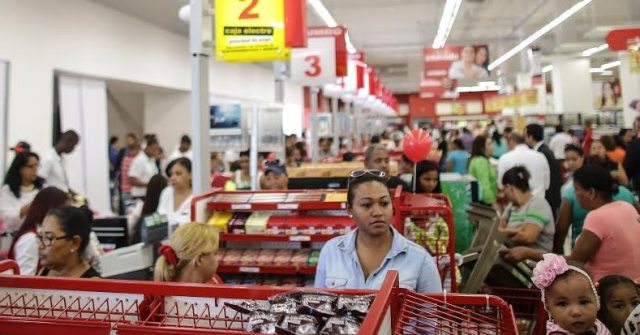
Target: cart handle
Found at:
x=9, y=264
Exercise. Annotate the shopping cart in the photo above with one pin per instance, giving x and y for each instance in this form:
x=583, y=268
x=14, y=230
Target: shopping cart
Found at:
x=35, y=305
x=527, y=308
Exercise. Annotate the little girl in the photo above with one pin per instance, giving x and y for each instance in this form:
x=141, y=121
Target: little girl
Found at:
x=427, y=177
x=569, y=297
x=620, y=296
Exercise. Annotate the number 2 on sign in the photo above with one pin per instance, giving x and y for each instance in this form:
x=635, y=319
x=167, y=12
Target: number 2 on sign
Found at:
x=314, y=62
x=246, y=13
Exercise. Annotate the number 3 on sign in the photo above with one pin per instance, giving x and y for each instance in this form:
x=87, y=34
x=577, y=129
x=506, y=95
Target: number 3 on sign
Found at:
x=246, y=13
x=314, y=64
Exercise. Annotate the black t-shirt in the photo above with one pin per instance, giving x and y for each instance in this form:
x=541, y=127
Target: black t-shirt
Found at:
x=90, y=273
x=394, y=182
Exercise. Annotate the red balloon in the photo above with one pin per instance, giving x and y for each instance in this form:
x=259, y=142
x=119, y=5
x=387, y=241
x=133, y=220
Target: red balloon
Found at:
x=417, y=145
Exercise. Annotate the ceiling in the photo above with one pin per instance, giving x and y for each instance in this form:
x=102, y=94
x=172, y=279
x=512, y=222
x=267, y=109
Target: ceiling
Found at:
x=392, y=33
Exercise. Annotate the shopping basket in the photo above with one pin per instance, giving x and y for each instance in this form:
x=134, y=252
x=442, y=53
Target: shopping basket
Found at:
x=527, y=308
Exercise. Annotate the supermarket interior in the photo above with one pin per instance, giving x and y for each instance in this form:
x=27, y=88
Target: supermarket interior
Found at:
x=320, y=167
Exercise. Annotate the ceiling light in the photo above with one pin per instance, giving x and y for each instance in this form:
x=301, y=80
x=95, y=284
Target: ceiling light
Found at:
x=547, y=68
x=350, y=48
x=610, y=65
x=449, y=14
x=595, y=70
x=478, y=88
x=595, y=50
x=323, y=13
x=545, y=29
x=606, y=73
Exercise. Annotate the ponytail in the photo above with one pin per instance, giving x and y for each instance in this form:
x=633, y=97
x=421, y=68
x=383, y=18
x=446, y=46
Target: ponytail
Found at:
x=164, y=271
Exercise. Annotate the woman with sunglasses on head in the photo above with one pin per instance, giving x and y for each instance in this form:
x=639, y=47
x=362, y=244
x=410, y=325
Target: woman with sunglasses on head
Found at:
x=24, y=249
x=21, y=184
x=62, y=238
x=360, y=259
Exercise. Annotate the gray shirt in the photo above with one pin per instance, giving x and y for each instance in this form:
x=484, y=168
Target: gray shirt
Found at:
x=536, y=211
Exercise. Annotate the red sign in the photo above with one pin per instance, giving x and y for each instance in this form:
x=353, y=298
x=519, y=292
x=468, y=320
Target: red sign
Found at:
x=295, y=20
x=341, y=45
x=444, y=66
x=619, y=39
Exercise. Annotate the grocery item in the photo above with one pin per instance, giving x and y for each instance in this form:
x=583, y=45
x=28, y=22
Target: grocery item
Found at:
x=232, y=257
x=220, y=220
x=313, y=258
x=283, y=257
x=318, y=304
x=300, y=257
x=249, y=257
x=262, y=323
x=237, y=223
x=298, y=325
x=354, y=305
x=289, y=306
x=257, y=223
x=266, y=257
x=248, y=306
x=345, y=325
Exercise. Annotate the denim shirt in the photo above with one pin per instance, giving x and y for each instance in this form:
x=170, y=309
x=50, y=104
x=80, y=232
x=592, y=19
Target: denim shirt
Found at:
x=339, y=266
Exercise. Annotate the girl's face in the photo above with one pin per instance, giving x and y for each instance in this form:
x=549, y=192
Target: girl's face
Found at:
x=597, y=149
x=371, y=208
x=573, y=160
x=180, y=177
x=28, y=173
x=428, y=181
x=572, y=303
x=622, y=300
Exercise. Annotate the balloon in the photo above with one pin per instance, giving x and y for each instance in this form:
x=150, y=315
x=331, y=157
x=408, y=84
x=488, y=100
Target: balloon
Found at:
x=416, y=145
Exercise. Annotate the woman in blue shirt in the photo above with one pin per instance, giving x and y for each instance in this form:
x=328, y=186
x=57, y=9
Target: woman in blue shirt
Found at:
x=360, y=259
x=457, y=159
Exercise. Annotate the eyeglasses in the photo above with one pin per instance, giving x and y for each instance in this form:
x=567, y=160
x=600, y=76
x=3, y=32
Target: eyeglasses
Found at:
x=273, y=163
x=359, y=173
x=47, y=240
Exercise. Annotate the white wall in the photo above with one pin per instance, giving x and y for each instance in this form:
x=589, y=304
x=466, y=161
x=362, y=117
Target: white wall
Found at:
x=82, y=37
x=572, y=86
x=125, y=113
x=167, y=115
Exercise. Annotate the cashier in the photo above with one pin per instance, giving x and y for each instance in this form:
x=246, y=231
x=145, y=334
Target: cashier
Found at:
x=360, y=259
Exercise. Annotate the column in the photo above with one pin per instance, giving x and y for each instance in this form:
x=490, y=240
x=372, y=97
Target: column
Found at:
x=572, y=86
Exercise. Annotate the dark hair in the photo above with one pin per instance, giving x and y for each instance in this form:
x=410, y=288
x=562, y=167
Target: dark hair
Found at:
x=574, y=148
x=518, y=177
x=355, y=182
x=152, y=140
x=536, y=131
x=598, y=178
x=13, y=179
x=423, y=167
x=559, y=129
x=457, y=143
x=185, y=162
x=185, y=139
x=156, y=184
x=69, y=135
x=375, y=139
x=113, y=140
x=603, y=100
x=605, y=287
x=497, y=137
x=132, y=135
x=508, y=130
x=368, y=153
x=74, y=222
x=47, y=199
x=244, y=153
x=466, y=130
x=516, y=137
x=608, y=142
x=478, y=147
x=348, y=156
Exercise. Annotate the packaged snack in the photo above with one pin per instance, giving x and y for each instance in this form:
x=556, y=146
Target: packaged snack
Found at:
x=232, y=257
x=283, y=257
x=220, y=255
x=219, y=220
x=290, y=282
x=354, y=305
x=289, y=306
x=283, y=297
x=298, y=325
x=248, y=306
x=341, y=326
x=313, y=258
x=318, y=304
x=249, y=257
x=266, y=257
x=300, y=257
x=262, y=323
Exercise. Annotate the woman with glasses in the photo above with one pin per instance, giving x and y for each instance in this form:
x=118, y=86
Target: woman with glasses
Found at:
x=21, y=185
x=24, y=249
x=190, y=256
x=360, y=259
x=62, y=238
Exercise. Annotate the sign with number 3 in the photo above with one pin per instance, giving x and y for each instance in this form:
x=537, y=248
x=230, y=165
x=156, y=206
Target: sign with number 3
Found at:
x=314, y=65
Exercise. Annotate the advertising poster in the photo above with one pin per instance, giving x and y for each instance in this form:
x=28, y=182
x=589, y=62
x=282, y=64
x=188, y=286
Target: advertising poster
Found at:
x=443, y=68
x=226, y=124
x=607, y=94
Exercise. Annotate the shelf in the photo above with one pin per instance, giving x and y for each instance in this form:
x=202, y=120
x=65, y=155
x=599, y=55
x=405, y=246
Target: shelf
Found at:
x=278, y=270
x=274, y=238
x=242, y=206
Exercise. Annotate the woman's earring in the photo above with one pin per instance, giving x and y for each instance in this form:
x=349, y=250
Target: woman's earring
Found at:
x=72, y=250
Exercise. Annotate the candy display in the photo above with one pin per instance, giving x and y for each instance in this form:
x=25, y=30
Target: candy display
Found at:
x=298, y=325
x=354, y=305
x=262, y=323
x=341, y=325
x=248, y=306
x=320, y=304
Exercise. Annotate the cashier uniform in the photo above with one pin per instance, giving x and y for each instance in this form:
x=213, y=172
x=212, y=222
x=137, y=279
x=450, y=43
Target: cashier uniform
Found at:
x=339, y=266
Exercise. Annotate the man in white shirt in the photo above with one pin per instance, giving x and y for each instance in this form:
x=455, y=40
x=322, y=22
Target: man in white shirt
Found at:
x=53, y=166
x=535, y=162
x=558, y=142
x=143, y=168
x=184, y=150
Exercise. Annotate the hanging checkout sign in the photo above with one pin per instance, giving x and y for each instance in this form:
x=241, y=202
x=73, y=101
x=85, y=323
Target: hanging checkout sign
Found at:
x=323, y=60
x=251, y=30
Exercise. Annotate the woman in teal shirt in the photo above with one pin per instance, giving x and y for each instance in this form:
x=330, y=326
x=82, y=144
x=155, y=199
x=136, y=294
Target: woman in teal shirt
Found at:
x=499, y=145
x=571, y=213
x=481, y=169
x=457, y=159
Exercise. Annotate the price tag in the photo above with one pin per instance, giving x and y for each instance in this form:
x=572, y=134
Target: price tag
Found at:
x=249, y=269
x=250, y=30
x=287, y=206
x=240, y=206
x=314, y=65
x=300, y=238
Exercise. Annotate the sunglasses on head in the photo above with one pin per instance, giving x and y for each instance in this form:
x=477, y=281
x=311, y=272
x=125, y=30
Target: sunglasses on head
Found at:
x=359, y=173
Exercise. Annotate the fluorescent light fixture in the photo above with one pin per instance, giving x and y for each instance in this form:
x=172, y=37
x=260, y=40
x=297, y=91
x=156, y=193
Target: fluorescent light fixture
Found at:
x=545, y=29
x=486, y=83
x=609, y=65
x=595, y=70
x=606, y=73
x=478, y=88
x=449, y=14
x=595, y=50
x=324, y=14
x=547, y=68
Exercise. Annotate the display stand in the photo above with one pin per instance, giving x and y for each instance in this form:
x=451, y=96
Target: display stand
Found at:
x=35, y=305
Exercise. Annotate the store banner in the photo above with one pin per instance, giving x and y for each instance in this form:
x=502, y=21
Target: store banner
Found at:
x=496, y=104
x=443, y=68
x=607, y=94
x=250, y=31
x=314, y=65
x=338, y=34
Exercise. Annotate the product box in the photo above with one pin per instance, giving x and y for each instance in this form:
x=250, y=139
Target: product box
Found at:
x=266, y=257
x=313, y=258
x=237, y=223
x=257, y=223
x=220, y=220
x=283, y=257
x=276, y=225
x=249, y=257
x=232, y=257
x=300, y=257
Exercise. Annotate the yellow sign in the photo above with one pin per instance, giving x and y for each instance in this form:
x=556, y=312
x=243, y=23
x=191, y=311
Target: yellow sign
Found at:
x=634, y=61
x=250, y=31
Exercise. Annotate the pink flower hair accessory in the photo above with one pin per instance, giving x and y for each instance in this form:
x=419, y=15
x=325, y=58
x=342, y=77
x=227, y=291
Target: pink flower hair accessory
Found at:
x=548, y=269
